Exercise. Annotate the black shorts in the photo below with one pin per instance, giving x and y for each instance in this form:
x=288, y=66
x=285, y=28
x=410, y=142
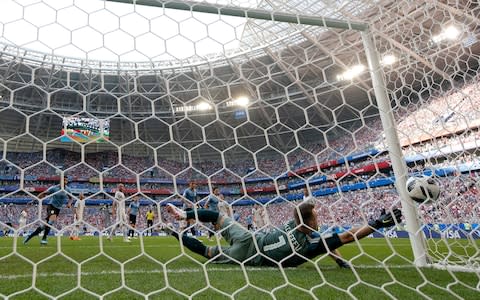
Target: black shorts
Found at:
x=52, y=211
x=133, y=219
x=149, y=223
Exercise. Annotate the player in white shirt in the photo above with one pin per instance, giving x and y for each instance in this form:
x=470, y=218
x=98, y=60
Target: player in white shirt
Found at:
x=258, y=216
x=119, y=213
x=79, y=208
x=223, y=207
x=334, y=254
x=22, y=222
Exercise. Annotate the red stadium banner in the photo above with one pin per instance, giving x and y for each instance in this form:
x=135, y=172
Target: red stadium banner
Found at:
x=365, y=169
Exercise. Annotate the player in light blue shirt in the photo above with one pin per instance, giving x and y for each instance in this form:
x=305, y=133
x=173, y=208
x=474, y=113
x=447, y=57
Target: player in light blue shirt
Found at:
x=57, y=200
x=249, y=221
x=190, y=202
x=190, y=194
x=236, y=216
x=213, y=200
x=212, y=204
x=133, y=209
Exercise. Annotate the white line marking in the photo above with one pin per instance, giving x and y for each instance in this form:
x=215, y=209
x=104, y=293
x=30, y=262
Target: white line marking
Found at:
x=187, y=270
x=105, y=246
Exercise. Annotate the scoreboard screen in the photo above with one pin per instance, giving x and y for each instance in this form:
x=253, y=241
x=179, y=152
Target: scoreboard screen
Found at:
x=83, y=130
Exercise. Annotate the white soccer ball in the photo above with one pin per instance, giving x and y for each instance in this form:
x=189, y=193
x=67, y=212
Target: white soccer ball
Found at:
x=423, y=188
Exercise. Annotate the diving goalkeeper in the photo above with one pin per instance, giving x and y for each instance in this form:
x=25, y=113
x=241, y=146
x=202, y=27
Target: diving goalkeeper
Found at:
x=293, y=244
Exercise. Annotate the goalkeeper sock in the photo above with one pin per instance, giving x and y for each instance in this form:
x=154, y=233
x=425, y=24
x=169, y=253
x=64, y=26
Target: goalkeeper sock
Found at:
x=342, y=264
x=194, y=245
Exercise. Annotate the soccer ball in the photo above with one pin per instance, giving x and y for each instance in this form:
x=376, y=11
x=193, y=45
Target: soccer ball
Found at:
x=423, y=188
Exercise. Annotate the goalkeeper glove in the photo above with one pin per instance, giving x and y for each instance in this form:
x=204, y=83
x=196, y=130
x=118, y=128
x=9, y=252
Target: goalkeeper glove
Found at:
x=387, y=220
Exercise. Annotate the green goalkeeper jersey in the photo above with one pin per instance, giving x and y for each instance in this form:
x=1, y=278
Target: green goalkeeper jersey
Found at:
x=280, y=243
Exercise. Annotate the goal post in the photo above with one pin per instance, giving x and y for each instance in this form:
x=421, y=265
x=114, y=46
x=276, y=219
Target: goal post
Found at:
x=409, y=209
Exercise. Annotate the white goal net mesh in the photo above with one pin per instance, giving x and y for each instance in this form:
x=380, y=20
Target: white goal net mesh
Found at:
x=105, y=93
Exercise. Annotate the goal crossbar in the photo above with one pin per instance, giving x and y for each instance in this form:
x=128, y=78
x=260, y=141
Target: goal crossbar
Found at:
x=259, y=14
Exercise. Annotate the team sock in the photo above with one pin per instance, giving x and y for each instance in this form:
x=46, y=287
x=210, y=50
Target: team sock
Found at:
x=193, y=245
x=35, y=233
x=47, y=230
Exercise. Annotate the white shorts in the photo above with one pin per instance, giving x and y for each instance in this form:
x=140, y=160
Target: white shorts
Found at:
x=121, y=217
x=77, y=219
x=22, y=223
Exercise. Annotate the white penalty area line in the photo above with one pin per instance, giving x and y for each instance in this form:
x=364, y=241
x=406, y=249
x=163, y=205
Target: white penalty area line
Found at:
x=106, y=246
x=187, y=270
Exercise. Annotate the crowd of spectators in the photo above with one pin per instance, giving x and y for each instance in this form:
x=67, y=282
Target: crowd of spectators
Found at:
x=445, y=143
x=109, y=166
x=457, y=108
x=458, y=203
x=459, y=199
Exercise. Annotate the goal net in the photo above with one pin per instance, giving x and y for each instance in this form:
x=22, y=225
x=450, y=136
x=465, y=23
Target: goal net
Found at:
x=272, y=103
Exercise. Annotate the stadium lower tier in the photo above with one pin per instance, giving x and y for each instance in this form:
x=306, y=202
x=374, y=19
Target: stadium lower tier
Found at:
x=289, y=191
x=457, y=204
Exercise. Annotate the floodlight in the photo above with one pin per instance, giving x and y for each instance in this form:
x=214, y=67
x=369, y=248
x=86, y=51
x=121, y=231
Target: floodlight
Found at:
x=450, y=33
x=204, y=106
x=242, y=101
x=389, y=59
x=351, y=73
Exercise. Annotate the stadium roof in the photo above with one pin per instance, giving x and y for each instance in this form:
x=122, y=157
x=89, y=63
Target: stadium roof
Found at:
x=146, y=36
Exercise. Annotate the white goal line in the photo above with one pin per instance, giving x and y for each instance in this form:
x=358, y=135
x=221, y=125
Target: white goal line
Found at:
x=188, y=270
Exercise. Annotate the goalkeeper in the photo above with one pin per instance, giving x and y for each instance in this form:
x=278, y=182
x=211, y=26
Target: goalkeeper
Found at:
x=295, y=243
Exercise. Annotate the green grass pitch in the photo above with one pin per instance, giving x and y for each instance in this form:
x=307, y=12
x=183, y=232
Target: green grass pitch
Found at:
x=155, y=268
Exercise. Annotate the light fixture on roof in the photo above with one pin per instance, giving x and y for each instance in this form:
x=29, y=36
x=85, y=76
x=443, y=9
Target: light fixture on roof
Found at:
x=351, y=73
x=203, y=106
x=450, y=33
x=389, y=59
x=200, y=106
x=242, y=101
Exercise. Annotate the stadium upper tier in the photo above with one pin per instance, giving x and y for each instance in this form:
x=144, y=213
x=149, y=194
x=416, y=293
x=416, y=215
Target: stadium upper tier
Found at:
x=351, y=173
x=300, y=162
x=453, y=112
